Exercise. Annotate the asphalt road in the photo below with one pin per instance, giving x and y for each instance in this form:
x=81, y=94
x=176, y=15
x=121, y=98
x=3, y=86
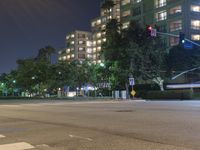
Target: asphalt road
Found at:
x=131, y=125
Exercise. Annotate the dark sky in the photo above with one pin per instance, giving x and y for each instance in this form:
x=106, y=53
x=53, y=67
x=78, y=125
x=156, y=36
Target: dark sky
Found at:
x=28, y=25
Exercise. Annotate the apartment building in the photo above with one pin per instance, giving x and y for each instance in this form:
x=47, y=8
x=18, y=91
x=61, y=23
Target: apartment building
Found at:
x=78, y=47
x=98, y=26
x=171, y=16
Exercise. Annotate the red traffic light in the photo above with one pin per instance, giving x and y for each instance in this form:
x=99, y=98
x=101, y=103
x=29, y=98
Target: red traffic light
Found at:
x=149, y=28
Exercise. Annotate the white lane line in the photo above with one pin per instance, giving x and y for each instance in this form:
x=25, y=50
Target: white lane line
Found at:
x=42, y=145
x=79, y=137
x=2, y=136
x=16, y=146
x=11, y=106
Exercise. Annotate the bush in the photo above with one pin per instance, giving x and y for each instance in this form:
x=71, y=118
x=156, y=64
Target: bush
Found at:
x=146, y=87
x=170, y=94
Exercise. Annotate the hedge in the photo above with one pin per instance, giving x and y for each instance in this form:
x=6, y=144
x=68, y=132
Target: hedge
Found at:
x=170, y=94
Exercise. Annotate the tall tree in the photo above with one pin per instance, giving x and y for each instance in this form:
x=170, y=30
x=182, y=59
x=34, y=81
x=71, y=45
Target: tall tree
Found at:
x=147, y=55
x=180, y=59
x=115, y=56
x=50, y=50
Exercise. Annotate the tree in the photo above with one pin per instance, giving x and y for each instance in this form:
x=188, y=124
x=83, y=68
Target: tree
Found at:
x=115, y=56
x=46, y=53
x=180, y=59
x=50, y=50
x=147, y=55
x=59, y=75
x=133, y=52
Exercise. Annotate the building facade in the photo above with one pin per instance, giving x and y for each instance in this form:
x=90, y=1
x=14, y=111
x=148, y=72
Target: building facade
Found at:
x=78, y=47
x=170, y=16
x=98, y=26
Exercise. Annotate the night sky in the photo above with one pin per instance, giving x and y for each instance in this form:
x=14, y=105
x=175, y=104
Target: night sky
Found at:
x=28, y=25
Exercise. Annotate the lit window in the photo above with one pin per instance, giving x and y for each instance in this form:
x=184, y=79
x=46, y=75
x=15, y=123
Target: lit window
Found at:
x=67, y=37
x=196, y=37
x=160, y=3
x=195, y=8
x=98, y=21
x=64, y=57
x=89, y=50
x=89, y=56
x=80, y=42
x=175, y=25
x=174, y=10
x=103, y=33
x=99, y=41
x=162, y=15
x=99, y=48
x=72, y=36
x=125, y=2
x=68, y=50
x=126, y=13
x=103, y=27
x=136, y=1
x=125, y=25
x=89, y=44
x=80, y=48
x=72, y=55
x=98, y=35
x=72, y=42
x=195, y=24
x=93, y=24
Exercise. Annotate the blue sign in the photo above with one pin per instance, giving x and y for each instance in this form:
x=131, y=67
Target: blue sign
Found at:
x=188, y=45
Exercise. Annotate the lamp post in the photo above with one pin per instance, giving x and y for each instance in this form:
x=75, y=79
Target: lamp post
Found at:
x=184, y=72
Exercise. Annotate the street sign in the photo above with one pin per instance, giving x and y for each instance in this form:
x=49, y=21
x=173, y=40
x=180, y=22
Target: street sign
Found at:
x=153, y=32
x=133, y=92
x=188, y=45
x=131, y=81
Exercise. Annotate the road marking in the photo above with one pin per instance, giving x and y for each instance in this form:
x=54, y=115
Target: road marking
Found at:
x=11, y=106
x=42, y=145
x=79, y=137
x=2, y=136
x=16, y=146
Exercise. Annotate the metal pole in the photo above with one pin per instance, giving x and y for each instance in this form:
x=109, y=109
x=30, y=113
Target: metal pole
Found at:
x=174, y=35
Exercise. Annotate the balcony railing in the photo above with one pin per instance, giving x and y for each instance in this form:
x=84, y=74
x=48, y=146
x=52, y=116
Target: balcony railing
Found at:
x=176, y=28
x=195, y=27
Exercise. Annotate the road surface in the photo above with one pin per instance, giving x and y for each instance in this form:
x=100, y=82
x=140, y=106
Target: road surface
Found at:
x=109, y=125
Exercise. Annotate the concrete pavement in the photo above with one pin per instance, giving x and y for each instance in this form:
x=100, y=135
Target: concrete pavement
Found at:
x=107, y=125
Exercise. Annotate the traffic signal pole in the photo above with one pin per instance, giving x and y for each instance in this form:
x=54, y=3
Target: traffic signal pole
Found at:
x=174, y=35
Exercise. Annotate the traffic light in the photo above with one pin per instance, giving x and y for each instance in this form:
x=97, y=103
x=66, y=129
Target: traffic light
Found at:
x=181, y=38
x=148, y=30
x=151, y=31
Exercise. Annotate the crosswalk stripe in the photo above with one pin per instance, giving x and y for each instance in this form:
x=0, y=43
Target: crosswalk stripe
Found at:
x=2, y=136
x=16, y=146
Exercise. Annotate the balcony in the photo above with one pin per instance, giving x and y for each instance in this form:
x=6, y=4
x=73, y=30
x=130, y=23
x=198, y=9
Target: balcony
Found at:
x=160, y=5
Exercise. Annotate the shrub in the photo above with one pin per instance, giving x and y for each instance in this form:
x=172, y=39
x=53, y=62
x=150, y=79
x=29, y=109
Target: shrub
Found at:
x=170, y=94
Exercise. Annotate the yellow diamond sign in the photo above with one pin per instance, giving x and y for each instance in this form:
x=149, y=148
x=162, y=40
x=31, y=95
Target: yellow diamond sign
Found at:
x=133, y=92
